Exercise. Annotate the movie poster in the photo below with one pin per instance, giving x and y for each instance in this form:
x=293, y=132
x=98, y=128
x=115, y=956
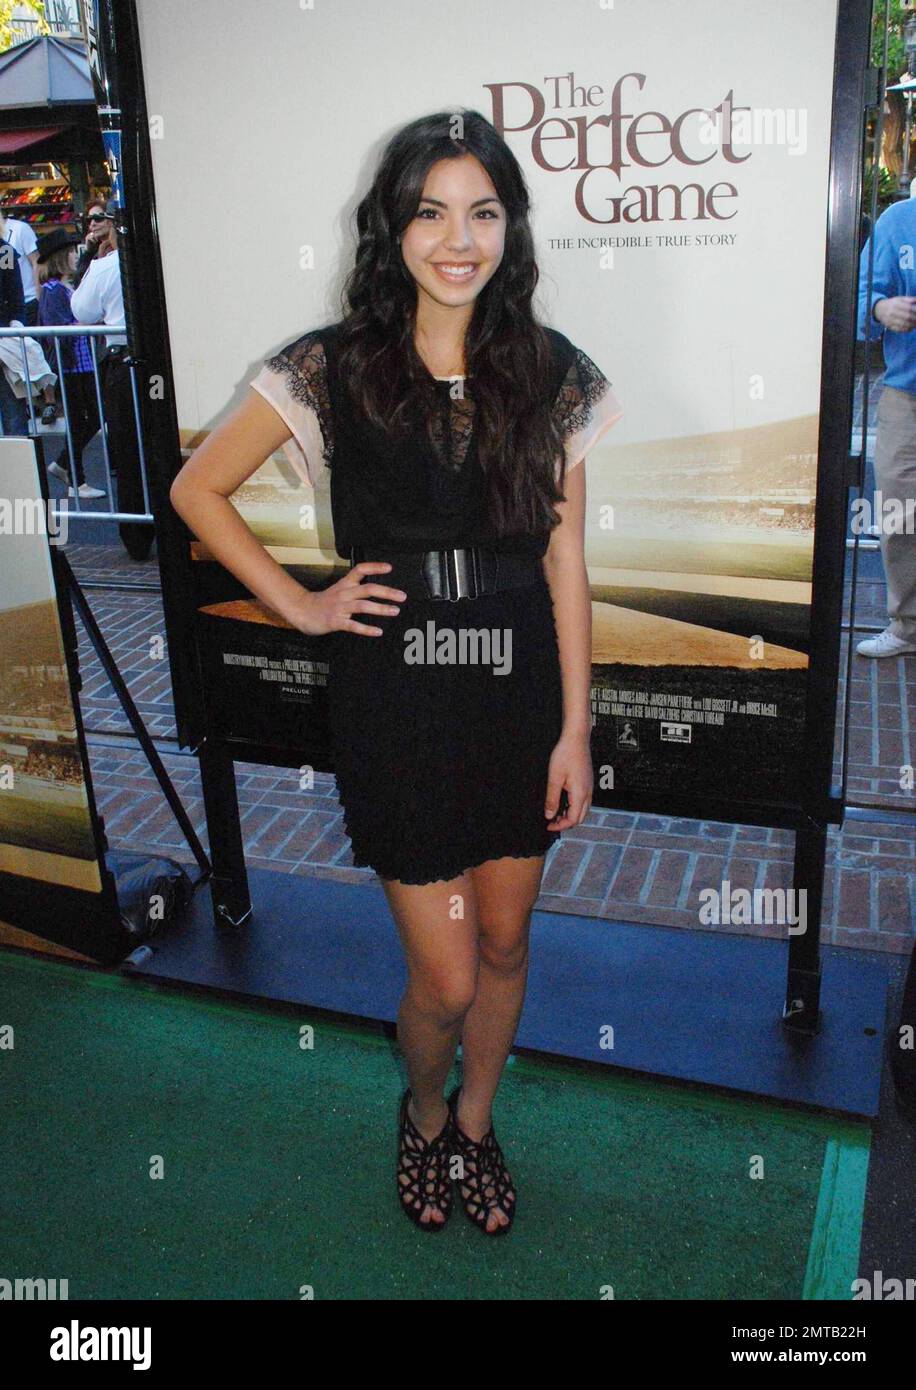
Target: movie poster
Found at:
x=679, y=185
x=264, y=681
x=46, y=826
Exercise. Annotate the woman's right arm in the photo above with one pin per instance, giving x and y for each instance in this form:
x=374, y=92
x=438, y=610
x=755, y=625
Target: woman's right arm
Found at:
x=231, y=452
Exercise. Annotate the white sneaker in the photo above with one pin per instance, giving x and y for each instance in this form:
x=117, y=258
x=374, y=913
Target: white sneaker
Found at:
x=59, y=472
x=87, y=491
x=885, y=644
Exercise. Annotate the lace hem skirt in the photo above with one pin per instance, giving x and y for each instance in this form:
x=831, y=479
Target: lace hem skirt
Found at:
x=443, y=729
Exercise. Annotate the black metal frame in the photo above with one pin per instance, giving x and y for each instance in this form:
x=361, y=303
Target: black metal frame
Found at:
x=837, y=369
x=820, y=802
x=123, y=108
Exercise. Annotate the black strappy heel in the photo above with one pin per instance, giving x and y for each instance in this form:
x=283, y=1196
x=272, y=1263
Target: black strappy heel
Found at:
x=423, y=1176
x=486, y=1182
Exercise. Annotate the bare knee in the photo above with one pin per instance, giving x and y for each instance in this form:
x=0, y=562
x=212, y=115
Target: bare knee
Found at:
x=445, y=995
x=503, y=946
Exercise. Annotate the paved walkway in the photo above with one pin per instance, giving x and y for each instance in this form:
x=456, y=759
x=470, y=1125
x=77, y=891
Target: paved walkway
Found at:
x=615, y=865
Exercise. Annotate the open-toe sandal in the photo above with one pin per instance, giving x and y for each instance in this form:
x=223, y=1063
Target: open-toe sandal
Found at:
x=486, y=1183
x=423, y=1176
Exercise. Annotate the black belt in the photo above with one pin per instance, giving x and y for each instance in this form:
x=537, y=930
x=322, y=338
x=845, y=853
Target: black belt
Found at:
x=467, y=572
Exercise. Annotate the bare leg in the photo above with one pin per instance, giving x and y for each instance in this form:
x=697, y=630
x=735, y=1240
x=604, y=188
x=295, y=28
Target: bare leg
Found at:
x=437, y=924
x=506, y=890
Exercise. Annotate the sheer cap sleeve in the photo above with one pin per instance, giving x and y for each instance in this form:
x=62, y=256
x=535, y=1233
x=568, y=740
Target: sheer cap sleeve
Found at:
x=585, y=407
x=295, y=382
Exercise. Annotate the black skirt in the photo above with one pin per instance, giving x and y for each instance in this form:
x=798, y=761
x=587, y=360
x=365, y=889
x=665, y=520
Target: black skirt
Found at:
x=442, y=764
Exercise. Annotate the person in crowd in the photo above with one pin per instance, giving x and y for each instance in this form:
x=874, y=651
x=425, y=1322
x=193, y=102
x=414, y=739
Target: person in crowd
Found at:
x=56, y=268
x=890, y=313
x=14, y=413
x=99, y=298
x=22, y=235
x=96, y=226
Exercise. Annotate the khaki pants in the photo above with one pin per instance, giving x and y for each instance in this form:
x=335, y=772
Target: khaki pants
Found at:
x=895, y=478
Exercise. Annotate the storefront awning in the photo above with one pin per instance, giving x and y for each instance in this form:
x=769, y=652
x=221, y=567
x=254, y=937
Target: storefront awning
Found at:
x=12, y=140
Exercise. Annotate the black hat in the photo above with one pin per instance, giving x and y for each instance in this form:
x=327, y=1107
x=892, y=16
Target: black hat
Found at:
x=56, y=240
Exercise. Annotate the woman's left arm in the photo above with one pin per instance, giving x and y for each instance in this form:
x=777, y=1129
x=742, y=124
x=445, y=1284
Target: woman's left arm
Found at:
x=567, y=577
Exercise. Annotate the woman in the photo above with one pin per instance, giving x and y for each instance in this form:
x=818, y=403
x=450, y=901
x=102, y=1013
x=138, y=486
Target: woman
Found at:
x=447, y=417
x=96, y=226
x=57, y=257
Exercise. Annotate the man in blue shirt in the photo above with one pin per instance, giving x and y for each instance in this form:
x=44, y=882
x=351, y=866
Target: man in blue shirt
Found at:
x=890, y=312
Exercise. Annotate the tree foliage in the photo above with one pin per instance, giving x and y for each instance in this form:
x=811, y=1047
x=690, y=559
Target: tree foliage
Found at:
x=8, y=34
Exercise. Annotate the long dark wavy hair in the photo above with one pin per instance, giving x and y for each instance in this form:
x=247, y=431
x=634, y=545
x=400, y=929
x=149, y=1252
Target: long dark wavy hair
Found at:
x=507, y=353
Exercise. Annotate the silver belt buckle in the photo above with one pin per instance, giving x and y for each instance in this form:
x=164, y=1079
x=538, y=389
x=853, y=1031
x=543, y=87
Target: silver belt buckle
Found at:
x=461, y=564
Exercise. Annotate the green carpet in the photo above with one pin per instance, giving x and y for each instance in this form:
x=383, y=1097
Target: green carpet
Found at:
x=278, y=1166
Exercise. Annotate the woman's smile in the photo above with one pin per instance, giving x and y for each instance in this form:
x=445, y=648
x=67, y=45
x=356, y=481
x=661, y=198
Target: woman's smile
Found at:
x=455, y=271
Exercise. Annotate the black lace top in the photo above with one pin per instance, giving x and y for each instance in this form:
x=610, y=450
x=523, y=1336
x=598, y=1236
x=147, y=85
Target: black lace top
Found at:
x=404, y=496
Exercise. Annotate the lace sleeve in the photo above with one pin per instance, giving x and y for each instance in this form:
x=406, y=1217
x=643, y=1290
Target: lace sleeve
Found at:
x=585, y=408
x=294, y=381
